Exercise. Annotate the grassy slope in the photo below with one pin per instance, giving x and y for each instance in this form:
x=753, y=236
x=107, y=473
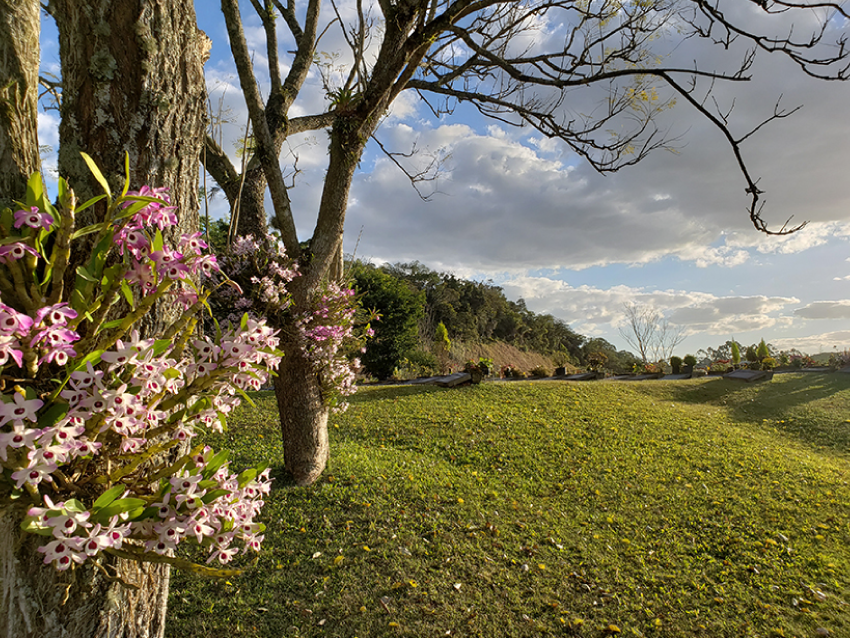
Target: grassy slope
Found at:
x=699, y=508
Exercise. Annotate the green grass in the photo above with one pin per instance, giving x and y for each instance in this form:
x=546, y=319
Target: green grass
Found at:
x=698, y=508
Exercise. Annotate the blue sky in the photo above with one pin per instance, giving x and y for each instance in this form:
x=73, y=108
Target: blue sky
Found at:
x=671, y=233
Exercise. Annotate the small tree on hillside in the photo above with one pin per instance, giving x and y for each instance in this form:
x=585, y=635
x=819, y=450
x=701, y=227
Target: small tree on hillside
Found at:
x=736, y=353
x=650, y=333
x=762, y=352
x=442, y=347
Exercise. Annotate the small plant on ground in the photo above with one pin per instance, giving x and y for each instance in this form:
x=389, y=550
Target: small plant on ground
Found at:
x=540, y=372
x=676, y=364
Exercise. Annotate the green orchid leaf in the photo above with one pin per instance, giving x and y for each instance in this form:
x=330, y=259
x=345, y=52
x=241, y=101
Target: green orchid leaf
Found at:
x=108, y=497
x=95, y=171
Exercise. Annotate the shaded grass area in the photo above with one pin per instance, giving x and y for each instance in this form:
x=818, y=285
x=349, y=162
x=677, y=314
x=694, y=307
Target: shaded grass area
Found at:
x=698, y=508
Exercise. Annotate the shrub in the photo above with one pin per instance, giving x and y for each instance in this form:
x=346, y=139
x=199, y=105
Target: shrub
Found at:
x=399, y=307
x=596, y=360
x=768, y=363
x=736, y=353
x=676, y=364
x=419, y=363
x=483, y=365
x=511, y=372
x=690, y=360
x=751, y=354
x=839, y=360
x=442, y=347
x=540, y=372
x=762, y=351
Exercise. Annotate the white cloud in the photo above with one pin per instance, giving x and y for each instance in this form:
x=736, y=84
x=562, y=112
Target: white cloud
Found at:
x=813, y=235
x=598, y=309
x=825, y=310
x=813, y=344
x=48, y=129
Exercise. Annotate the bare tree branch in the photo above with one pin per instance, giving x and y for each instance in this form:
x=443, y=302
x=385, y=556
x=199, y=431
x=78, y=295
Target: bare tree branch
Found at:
x=427, y=174
x=265, y=143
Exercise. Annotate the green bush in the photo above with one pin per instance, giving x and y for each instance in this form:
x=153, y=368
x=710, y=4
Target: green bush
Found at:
x=751, y=354
x=676, y=364
x=768, y=363
x=540, y=372
x=399, y=306
x=596, y=360
x=419, y=363
x=690, y=360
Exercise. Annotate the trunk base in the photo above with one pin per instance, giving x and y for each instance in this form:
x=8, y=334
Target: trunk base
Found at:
x=303, y=416
x=40, y=602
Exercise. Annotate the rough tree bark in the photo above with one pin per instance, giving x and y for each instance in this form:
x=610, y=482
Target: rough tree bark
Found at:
x=38, y=602
x=19, y=51
x=303, y=413
x=133, y=82
x=132, y=75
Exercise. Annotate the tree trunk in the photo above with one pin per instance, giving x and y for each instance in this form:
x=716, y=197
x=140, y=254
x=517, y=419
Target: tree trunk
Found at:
x=132, y=73
x=40, y=602
x=303, y=414
x=133, y=83
x=19, y=53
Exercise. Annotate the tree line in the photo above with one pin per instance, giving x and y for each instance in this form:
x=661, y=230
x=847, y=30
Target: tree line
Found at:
x=414, y=300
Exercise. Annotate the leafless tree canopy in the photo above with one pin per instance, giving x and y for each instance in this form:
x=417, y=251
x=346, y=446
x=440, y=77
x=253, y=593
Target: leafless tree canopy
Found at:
x=597, y=86
x=648, y=332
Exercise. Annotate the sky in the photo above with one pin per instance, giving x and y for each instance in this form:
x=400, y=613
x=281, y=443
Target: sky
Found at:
x=527, y=214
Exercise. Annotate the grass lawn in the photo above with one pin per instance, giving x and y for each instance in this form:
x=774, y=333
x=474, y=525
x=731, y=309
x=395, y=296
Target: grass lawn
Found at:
x=692, y=508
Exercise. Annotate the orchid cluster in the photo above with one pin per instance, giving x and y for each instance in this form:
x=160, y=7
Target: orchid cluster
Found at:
x=326, y=333
x=94, y=418
x=262, y=270
x=324, y=329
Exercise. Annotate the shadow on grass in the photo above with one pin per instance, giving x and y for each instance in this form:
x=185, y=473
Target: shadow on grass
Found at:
x=391, y=392
x=810, y=407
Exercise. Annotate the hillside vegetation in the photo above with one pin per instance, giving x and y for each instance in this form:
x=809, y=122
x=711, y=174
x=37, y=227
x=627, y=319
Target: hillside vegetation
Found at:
x=703, y=508
x=415, y=301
